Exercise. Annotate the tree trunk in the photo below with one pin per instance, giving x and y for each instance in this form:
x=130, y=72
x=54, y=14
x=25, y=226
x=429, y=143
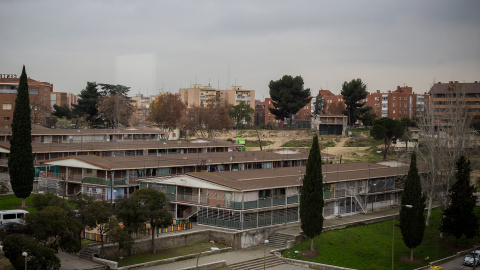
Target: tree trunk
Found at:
x=429, y=210
x=24, y=206
x=411, y=254
x=259, y=141
x=312, y=245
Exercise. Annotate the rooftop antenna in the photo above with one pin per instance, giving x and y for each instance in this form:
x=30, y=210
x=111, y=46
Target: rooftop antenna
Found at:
x=228, y=82
x=208, y=81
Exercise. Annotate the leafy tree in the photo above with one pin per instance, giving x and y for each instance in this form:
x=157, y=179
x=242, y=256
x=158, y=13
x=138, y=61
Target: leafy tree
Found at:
x=288, y=97
x=369, y=116
x=20, y=160
x=39, y=257
x=459, y=218
x=63, y=112
x=240, y=112
x=41, y=201
x=319, y=105
x=388, y=130
x=167, y=111
x=311, y=199
x=87, y=103
x=155, y=205
x=97, y=215
x=115, y=109
x=353, y=92
x=412, y=222
x=55, y=227
x=63, y=123
x=111, y=89
x=118, y=235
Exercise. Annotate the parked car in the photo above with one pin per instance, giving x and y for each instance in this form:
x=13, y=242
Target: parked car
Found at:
x=12, y=227
x=468, y=261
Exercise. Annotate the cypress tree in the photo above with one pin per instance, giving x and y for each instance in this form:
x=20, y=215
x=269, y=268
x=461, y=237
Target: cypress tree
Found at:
x=412, y=222
x=458, y=218
x=20, y=160
x=311, y=199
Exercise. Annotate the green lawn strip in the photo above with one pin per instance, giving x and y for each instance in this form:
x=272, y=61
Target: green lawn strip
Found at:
x=254, y=143
x=370, y=246
x=308, y=143
x=10, y=202
x=86, y=242
x=362, y=142
x=168, y=253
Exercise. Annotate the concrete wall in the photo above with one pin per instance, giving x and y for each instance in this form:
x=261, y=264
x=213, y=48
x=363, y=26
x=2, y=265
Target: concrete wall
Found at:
x=234, y=239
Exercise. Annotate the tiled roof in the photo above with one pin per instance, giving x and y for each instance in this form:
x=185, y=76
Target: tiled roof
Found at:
x=182, y=160
x=120, y=146
x=442, y=88
x=289, y=176
x=38, y=130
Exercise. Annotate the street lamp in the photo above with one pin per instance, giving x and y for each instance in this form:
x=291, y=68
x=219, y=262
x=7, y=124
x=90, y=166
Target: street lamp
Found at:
x=393, y=228
x=25, y=254
x=375, y=190
x=264, y=252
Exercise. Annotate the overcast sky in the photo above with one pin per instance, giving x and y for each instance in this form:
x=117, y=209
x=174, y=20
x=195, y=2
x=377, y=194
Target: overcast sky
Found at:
x=155, y=45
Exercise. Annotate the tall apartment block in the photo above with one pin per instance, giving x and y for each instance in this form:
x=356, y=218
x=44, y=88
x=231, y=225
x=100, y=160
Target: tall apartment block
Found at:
x=200, y=95
x=442, y=94
x=39, y=99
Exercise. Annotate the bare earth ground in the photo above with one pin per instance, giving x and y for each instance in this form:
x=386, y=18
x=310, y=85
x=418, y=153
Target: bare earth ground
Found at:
x=279, y=137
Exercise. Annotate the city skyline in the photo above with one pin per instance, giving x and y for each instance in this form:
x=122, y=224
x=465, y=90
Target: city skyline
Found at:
x=171, y=45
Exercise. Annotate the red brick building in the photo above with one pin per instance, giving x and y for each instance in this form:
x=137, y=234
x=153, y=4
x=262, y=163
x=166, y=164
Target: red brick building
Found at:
x=301, y=118
x=39, y=99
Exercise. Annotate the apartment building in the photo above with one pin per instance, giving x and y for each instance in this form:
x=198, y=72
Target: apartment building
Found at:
x=301, y=118
x=236, y=95
x=444, y=94
x=58, y=98
x=396, y=104
x=40, y=96
x=198, y=95
x=71, y=99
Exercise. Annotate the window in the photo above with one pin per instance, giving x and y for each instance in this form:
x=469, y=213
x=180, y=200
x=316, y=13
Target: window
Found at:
x=7, y=106
x=393, y=98
x=89, y=170
x=33, y=92
x=393, y=105
x=6, y=118
x=394, y=113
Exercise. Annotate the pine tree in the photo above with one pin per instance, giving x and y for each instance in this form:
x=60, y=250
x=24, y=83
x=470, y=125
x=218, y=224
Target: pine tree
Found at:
x=87, y=104
x=311, y=199
x=458, y=218
x=412, y=223
x=20, y=160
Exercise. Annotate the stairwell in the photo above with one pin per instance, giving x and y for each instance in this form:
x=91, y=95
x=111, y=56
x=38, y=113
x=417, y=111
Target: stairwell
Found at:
x=279, y=240
x=258, y=264
x=88, y=252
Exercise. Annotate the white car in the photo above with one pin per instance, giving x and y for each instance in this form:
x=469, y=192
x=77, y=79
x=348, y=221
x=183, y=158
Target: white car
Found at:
x=468, y=261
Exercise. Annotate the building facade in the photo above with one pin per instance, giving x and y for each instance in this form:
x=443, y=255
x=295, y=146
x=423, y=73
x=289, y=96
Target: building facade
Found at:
x=444, y=95
x=39, y=99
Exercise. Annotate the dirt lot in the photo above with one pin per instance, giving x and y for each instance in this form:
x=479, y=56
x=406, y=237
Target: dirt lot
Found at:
x=279, y=137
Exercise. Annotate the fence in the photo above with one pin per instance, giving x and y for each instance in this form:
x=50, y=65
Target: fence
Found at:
x=179, y=225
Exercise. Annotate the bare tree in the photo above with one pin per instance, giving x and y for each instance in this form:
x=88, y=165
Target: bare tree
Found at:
x=115, y=109
x=444, y=136
x=209, y=120
x=167, y=111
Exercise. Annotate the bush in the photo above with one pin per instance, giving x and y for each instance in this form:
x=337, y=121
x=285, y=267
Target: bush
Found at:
x=39, y=257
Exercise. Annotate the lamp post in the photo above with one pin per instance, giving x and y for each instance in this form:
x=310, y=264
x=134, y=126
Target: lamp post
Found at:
x=393, y=228
x=375, y=190
x=25, y=254
x=264, y=252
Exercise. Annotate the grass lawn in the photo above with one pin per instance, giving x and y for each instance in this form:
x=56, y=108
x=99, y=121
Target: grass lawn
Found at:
x=370, y=247
x=168, y=253
x=254, y=143
x=5, y=263
x=308, y=143
x=10, y=202
x=362, y=142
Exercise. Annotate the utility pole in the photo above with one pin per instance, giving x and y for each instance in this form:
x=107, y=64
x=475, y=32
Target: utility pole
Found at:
x=111, y=193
